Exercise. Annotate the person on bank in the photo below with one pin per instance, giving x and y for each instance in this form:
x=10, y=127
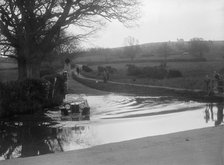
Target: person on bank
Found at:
x=67, y=67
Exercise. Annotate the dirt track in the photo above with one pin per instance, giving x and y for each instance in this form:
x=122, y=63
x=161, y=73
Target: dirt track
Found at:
x=78, y=88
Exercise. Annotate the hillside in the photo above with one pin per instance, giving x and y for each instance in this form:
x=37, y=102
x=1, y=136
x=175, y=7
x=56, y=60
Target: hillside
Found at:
x=153, y=52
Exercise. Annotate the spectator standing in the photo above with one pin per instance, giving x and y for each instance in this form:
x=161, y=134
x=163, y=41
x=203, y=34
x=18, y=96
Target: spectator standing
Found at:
x=77, y=70
x=67, y=67
x=219, y=82
x=207, y=83
x=105, y=75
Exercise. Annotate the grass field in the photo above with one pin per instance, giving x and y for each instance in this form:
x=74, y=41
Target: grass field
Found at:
x=8, y=71
x=194, y=68
x=7, y=65
x=194, y=73
x=8, y=75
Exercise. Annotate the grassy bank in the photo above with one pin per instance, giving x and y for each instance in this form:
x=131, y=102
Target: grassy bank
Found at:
x=194, y=68
x=194, y=74
x=8, y=71
x=128, y=88
x=8, y=75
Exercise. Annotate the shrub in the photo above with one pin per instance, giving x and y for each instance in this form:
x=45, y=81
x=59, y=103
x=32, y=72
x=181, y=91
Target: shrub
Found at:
x=152, y=72
x=174, y=74
x=47, y=71
x=100, y=70
x=51, y=68
x=110, y=69
x=31, y=95
x=133, y=70
x=86, y=68
x=21, y=97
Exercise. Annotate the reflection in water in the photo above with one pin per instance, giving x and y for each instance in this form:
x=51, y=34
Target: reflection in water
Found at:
x=113, y=118
x=76, y=117
x=214, y=113
x=31, y=139
x=23, y=139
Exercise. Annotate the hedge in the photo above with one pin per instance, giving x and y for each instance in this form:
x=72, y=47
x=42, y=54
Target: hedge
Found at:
x=155, y=72
x=31, y=95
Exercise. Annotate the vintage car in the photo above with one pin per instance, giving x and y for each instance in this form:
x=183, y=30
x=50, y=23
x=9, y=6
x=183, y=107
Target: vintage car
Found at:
x=74, y=106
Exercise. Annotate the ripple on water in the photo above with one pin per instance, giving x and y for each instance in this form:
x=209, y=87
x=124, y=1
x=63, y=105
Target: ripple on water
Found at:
x=113, y=118
x=114, y=106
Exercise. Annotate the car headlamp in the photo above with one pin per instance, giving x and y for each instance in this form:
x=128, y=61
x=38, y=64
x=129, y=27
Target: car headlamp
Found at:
x=67, y=106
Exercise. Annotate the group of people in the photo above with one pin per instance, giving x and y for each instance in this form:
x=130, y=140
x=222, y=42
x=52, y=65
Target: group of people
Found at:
x=216, y=83
x=214, y=114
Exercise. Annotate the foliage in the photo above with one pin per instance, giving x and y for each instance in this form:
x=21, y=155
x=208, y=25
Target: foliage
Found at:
x=86, y=68
x=100, y=70
x=18, y=97
x=51, y=68
x=133, y=70
x=30, y=30
x=110, y=69
x=68, y=44
x=31, y=95
x=47, y=71
x=152, y=72
x=174, y=73
x=198, y=46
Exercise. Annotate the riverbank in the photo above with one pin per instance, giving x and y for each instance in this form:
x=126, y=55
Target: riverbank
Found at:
x=75, y=87
x=199, y=147
x=149, y=90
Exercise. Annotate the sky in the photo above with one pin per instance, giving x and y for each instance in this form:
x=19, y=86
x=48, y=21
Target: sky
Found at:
x=166, y=20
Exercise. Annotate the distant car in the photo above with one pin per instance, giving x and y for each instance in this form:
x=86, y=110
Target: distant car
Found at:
x=185, y=53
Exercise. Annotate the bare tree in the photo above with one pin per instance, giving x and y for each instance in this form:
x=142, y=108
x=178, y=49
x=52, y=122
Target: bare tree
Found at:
x=132, y=47
x=31, y=29
x=68, y=47
x=68, y=44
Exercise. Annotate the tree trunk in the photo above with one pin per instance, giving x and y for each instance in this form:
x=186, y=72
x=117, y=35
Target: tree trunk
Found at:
x=33, y=70
x=22, y=67
x=28, y=68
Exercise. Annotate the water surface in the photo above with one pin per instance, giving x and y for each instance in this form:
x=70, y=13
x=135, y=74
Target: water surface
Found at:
x=113, y=118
